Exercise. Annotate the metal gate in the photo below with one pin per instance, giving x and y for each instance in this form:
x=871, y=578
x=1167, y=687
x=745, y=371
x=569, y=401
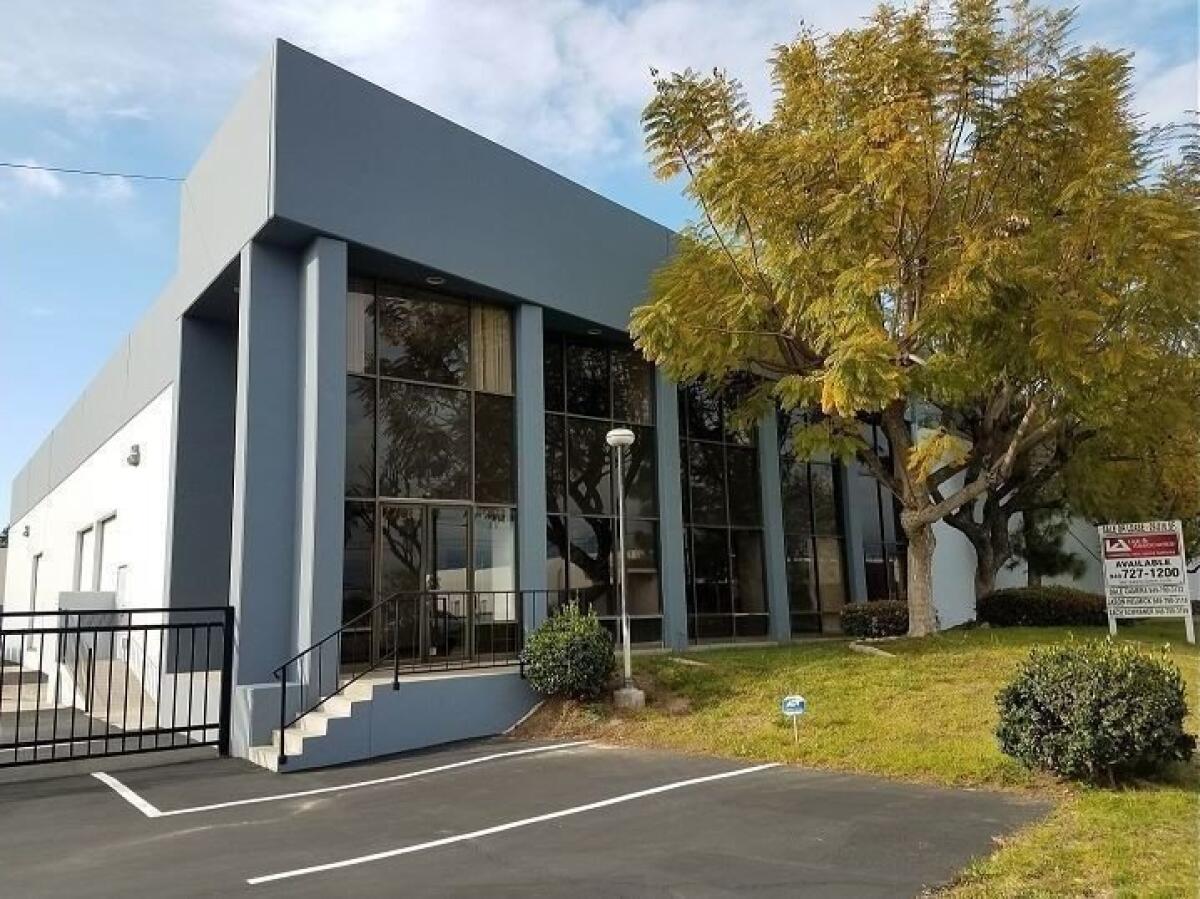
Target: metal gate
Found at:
x=92, y=683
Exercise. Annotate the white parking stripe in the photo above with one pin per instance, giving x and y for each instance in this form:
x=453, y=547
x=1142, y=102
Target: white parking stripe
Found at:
x=146, y=808
x=501, y=828
x=151, y=812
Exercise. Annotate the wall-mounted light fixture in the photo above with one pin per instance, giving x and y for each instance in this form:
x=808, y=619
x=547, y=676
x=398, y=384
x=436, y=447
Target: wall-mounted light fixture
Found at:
x=435, y=280
x=135, y=455
x=593, y=332
x=25, y=531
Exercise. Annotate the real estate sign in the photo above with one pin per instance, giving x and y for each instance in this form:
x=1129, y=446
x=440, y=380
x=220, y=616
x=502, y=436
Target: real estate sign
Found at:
x=1145, y=572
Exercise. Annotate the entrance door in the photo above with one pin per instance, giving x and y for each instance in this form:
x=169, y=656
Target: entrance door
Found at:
x=424, y=563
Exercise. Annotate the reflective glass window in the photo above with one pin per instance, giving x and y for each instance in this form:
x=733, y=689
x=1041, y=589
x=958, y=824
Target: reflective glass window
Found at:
x=587, y=381
x=706, y=479
x=423, y=339
x=360, y=436
x=744, y=499
x=495, y=449
x=633, y=387
x=589, y=468
x=424, y=441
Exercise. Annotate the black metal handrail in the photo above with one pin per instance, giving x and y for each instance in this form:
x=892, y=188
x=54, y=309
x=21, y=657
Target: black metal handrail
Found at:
x=417, y=631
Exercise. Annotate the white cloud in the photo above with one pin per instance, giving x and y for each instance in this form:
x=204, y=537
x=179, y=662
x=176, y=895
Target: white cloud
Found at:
x=560, y=80
x=36, y=181
x=1168, y=95
x=35, y=184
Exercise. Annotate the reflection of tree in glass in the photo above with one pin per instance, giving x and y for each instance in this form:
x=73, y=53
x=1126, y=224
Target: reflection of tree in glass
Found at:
x=494, y=448
x=360, y=448
x=589, y=479
x=400, y=563
x=633, y=386
x=425, y=442
x=423, y=340
x=595, y=566
x=587, y=380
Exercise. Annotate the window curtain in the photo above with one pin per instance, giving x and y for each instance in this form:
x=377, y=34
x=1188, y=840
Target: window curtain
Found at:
x=491, y=345
x=358, y=321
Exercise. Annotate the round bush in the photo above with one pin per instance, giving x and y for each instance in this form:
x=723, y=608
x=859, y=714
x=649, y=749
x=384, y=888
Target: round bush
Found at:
x=880, y=618
x=1048, y=606
x=570, y=654
x=1095, y=711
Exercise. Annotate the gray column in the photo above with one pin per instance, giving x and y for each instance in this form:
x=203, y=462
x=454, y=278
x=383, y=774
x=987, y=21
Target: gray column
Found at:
x=774, y=549
x=531, y=461
x=262, y=561
x=672, y=576
x=852, y=525
x=322, y=427
x=201, y=505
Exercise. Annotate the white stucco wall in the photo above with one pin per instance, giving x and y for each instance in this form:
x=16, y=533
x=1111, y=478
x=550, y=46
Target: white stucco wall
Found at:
x=1083, y=540
x=135, y=544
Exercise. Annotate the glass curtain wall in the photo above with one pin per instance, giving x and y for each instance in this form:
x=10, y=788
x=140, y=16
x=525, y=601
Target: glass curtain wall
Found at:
x=885, y=551
x=591, y=387
x=722, y=514
x=430, y=442
x=813, y=534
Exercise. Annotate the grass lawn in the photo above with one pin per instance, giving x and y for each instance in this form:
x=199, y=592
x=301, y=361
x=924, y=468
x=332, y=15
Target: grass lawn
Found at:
x=927, y=715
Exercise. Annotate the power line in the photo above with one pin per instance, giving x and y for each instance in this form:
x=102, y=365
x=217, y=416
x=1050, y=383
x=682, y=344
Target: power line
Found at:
x=98, y=174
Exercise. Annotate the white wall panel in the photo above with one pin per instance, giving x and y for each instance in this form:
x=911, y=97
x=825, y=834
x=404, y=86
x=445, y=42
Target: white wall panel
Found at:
x=134, y=543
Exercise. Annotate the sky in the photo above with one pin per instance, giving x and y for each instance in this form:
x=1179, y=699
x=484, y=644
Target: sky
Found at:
x=136, y=86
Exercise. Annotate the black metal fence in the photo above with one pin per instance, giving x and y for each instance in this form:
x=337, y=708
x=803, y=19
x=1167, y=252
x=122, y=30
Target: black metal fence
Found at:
x=87, y=684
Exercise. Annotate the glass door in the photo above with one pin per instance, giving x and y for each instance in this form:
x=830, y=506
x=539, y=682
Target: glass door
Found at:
x=448, y=582
x=424, y=564
x=402, y=551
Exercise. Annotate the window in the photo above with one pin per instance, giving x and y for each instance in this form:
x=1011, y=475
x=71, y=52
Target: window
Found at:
x=430, y=449
x=722, y=513
x=813, y=542
x=885, y=551
x=422, y=338
x=85, y=559
x=106, y=571
x=591, y=387
x=34, y=573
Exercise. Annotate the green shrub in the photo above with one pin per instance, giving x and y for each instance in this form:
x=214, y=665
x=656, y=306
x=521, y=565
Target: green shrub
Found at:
x=570, y=654
x=1041, y=607
x=1095, y=711
x=881, y=618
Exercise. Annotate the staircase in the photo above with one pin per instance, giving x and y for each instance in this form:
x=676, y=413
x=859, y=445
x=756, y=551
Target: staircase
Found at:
x=370, y=717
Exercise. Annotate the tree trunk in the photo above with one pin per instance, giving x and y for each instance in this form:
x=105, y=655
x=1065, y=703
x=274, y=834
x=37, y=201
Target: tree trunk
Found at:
x=922, y=619
x=1033, y=577
x=985, y=570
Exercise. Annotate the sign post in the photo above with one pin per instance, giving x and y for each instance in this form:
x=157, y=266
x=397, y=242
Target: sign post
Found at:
x=793, y=707
x=1145, y=573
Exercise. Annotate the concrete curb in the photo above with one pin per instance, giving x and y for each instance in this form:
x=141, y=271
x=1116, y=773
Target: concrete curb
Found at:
x=870, y=650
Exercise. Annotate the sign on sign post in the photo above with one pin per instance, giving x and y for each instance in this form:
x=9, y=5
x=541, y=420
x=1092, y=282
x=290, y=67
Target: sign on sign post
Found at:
x=793, y=707
x=1145, y=573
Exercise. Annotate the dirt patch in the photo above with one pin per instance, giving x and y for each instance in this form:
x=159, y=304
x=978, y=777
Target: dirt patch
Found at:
x=560, y=718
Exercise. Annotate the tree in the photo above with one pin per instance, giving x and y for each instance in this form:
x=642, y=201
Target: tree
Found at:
x=1039, y=544
x=947, y=213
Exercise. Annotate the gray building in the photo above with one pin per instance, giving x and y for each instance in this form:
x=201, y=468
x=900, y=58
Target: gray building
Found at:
x=372, y=403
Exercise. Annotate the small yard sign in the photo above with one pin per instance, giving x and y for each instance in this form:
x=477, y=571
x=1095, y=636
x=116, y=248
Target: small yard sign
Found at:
x=793, y=707
x=1145, y=572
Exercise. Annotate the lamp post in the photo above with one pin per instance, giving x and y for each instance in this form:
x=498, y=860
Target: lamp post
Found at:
x=628, y=696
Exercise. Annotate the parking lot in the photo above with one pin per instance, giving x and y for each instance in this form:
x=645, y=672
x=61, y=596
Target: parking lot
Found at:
x=499, y=817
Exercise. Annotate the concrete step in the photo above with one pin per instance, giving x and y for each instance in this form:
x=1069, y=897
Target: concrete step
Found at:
x=369, y=718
